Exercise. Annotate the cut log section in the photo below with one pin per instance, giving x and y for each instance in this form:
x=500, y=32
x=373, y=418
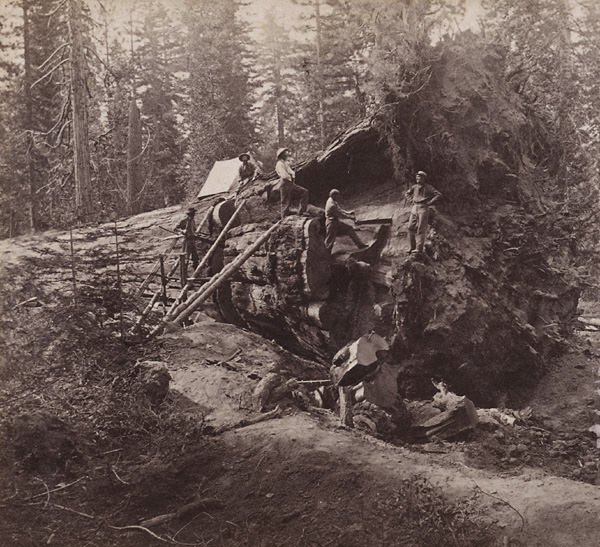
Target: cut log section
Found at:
x=282, y=289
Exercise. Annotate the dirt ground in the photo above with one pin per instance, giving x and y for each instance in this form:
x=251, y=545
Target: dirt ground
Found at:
x=71, y=477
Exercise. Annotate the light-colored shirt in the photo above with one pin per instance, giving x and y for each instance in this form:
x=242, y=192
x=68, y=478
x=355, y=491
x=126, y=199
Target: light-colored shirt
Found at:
x=423, y=194
x=284, y=170
x=333, y=210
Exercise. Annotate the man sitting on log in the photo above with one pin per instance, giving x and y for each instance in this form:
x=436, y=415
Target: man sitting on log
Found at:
x=188, y=227
x=288, y=189
x=334, y=227
x=422, y=196
x=247, y=171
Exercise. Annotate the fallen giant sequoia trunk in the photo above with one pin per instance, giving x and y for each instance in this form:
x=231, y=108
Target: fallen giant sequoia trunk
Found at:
x=283, y=288
x=483, y=308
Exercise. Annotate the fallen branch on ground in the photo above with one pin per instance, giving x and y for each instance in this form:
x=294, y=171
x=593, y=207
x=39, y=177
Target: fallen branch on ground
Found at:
x=199, y=505
x=155, y=536
x=225, y=362
x=503, y=501
x=72, y=511
x=57, y=488
x=276, y=412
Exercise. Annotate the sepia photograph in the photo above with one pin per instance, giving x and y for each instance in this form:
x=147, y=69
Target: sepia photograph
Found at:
x=300, y=273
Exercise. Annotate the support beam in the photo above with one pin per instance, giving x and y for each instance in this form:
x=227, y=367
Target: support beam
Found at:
x=185, y=309
x=181, y=297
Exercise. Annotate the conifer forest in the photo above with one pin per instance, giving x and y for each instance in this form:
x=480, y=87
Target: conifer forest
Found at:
x=300, y=273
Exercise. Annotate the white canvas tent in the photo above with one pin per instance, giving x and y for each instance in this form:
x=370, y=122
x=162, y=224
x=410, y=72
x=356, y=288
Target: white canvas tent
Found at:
x=222, y=178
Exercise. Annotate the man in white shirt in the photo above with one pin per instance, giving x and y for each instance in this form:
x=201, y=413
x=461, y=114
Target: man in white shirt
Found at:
x=422, y=196
x=288, y=189
x=334, y=226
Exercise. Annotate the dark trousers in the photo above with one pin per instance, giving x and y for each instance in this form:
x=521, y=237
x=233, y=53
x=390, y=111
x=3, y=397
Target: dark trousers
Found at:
x=335, y=227
x=289, y=192
x=189, y=249
x=418, y=224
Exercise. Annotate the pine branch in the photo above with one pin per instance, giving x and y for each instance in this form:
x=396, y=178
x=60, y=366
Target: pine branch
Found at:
x=58, y=142
x=41, y=67
x=61, y=117
x=63, y=181
x=102, y=62
x=49, y=15
x=50, y=72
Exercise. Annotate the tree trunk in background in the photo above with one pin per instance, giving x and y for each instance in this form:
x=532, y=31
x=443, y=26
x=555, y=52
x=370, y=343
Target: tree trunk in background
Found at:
x=79, y=93
x=321, y=115
x=278, y=97
x=28, y=125
x=134, y=153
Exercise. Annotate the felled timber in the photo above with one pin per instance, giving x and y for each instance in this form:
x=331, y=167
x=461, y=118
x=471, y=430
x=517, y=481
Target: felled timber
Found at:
x=483, y=306
x=461, y=417
x=282, y=290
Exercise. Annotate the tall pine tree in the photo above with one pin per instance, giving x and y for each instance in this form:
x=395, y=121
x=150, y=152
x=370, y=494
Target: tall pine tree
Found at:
x=218, y=86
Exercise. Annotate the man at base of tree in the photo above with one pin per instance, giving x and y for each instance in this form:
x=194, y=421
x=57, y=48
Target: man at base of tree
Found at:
x=288, y=189
x=422, y=196
x=188, y=227
x=334, y=227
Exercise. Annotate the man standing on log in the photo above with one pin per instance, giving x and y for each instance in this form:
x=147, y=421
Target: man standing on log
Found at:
x=422, y=196
x=334, y=226
x=188, y=227
x=288, y=189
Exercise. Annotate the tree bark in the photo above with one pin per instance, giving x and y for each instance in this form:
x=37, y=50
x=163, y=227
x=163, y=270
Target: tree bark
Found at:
x=278, y=97
x=29, y=117
x=134, y=153
x=282, y=289
x=79, y=93
x=320, y=93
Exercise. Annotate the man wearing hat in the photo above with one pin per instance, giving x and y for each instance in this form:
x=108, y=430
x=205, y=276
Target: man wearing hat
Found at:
x=246, y=171
x=334, y=226
x=188, y=227
x=288, y=189
x=422, y=196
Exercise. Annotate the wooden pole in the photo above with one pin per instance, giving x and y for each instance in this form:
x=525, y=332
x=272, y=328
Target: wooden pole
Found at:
x=154, y=298
x=184, y=310
x=187, y=308
x=119, y=281
x=183, y=269
x=163, y=283
x=72, y=263
x=146, y=281
x=206, y=258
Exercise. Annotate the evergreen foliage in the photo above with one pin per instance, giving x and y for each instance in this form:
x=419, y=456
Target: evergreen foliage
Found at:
x=213, y=79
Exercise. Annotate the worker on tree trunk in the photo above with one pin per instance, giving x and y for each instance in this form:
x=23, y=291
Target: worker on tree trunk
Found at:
x=288, y=189
x=188, y=227
x=422, y=196
x=334, y=227
x=247, y=171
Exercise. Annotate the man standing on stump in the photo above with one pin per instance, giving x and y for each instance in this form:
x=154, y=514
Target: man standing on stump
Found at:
x=288, y=189
x=422, y=196
x=188, y=227
x=334, y=226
